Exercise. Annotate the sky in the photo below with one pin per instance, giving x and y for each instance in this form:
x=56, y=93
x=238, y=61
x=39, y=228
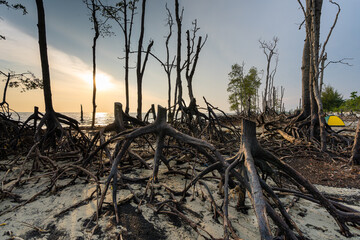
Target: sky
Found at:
x=233, y=27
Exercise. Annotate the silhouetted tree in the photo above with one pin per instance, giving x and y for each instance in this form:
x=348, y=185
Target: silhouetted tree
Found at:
x=140, y=67
x=51, y=119
x=270, y=51
x=178, y=89
x=167, y=65
x=119, y=13
x=192, y=56
x=26, y=81
x=93, y=6
x=44, y=58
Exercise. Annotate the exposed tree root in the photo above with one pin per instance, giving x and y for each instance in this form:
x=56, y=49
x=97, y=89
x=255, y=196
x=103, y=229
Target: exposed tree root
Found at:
x=248, y=170
x=56, y=138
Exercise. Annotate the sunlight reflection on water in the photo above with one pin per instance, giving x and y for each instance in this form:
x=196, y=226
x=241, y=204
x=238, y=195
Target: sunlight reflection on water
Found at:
x=101, y=118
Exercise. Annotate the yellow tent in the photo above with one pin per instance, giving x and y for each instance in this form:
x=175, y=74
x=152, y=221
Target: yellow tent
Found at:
x=334, y=121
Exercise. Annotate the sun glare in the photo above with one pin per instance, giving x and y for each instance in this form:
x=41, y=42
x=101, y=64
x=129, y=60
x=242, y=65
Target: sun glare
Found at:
x=103, y=81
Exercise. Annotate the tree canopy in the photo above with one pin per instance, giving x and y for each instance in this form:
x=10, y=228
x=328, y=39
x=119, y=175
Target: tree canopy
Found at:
x=331, y=98
x=352, y=104
x=243, y=88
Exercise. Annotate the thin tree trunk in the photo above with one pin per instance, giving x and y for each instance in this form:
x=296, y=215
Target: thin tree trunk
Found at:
x=190, y=73
x=355, y=156
x=44, y=56
x=178, y=54
x=5, y=89
x=96, y=36
x=127, y=36
x=81, y=113
x=140, y=69
x=322, y=72
x=266, y=85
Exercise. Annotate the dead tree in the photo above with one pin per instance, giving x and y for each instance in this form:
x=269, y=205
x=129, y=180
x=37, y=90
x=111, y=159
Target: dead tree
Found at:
x=168, y=64
x=248, y=169
x=26, y=81
x=316, y=56
x=192, y=56
x=269, y=49
x=119, y=14
x=54, y=133
x=178, y=99
x=140, y=67
x=355, y=157
x=324, y=66
x=94, y=8
x=312, y=110
x=281, y=104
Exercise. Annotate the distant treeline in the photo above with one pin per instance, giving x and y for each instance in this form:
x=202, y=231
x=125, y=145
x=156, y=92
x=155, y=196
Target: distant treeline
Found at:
x=333, y=101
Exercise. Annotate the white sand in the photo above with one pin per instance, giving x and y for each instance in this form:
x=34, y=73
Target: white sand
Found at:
x=316, y=223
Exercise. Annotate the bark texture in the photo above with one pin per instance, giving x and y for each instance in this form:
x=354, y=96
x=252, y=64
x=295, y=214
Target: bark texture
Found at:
x=355, y=157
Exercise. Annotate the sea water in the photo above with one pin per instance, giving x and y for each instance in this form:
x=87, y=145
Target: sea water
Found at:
x=101, y=118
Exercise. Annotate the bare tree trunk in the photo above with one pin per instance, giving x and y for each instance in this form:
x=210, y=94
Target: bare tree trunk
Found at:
x=96, y=36
x=81, y=113
x=281, y=99
x=315, y=36
x=178, y=17
x=127, y=34
x=126, y=27
x=269, y=50
x=355, y=156
x=127, y=50
x=44, y=56
x=313, y=106
x=138, y=66
x=5, y=89
x=167, y=65
x=192, y=58
x=323, y=59
x=305, y=72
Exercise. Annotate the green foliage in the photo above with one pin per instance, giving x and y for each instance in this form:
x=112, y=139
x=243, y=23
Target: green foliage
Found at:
x=331, y=99
x=353, y=95
x=242, y=88
x=352, y=104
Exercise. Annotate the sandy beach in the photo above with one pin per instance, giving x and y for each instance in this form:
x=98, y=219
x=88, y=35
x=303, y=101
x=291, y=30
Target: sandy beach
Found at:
x=70, y=212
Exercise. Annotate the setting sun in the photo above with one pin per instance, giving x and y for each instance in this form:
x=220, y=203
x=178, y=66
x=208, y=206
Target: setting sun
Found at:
x=103, y=81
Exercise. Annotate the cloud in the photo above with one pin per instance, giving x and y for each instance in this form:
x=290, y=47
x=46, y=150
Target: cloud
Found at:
x=69, y=74
x=22, y=49
x=18, y=47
